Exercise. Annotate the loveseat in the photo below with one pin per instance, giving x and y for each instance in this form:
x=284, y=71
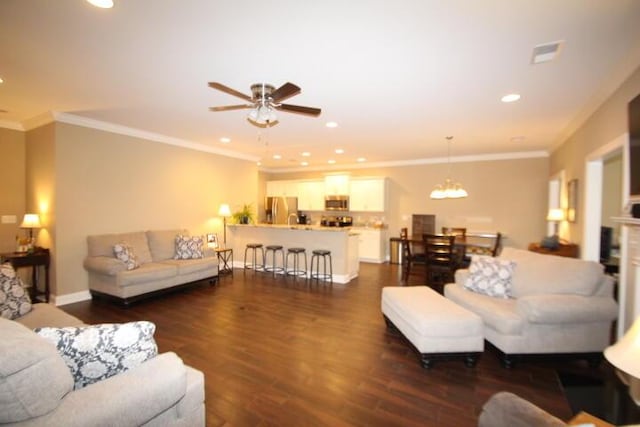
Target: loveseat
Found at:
x=556, y=305
x=36, y=386
x=157, y=269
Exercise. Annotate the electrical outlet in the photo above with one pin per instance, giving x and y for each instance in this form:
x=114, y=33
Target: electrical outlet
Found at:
x=9, y=219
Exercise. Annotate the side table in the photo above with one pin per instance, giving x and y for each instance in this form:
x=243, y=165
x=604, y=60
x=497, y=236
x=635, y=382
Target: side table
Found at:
x=569, y=250
x=40, y=257
x=225, y=260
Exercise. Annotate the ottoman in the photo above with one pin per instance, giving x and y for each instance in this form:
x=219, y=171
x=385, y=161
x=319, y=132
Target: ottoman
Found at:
x=436, y=328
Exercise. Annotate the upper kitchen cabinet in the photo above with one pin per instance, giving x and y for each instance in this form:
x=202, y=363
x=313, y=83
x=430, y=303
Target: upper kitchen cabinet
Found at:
x=368, y=195
x=311, y=195
x=282, y=188
x=336, y=185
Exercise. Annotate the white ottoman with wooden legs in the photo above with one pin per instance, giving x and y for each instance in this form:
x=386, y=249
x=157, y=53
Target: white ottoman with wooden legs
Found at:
x=437, y=328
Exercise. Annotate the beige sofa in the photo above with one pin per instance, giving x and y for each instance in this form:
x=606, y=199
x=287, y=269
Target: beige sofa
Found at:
x=158, y=269
x=559, y=305
x=36, y=385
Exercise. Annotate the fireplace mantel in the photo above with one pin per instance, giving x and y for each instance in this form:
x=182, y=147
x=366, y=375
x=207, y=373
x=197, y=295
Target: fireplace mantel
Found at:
x=626, y=220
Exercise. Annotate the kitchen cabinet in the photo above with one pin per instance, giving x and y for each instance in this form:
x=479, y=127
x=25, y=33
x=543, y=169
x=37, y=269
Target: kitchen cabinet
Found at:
x=282, y=188
x=371, y=244
x=336, y=185
x=368, y=195
x=310, y=195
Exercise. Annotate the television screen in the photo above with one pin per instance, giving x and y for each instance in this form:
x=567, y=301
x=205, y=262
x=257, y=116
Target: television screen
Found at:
x=634, y=148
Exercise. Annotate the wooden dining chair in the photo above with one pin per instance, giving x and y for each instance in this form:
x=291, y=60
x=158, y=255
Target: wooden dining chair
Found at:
x=440, y=260
x=459, y=251
x=409, y=258
x=455, y=231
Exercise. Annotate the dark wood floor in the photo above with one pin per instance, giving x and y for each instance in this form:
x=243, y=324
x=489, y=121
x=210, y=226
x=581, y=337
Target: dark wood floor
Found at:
x=287, y=352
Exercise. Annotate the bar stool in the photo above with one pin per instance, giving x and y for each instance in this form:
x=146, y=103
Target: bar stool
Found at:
x=274, y=250
x=296, y=270
x=254, y=249
x=318, y=254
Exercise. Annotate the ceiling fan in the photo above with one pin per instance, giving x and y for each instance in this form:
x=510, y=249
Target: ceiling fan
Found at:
x=264, y=99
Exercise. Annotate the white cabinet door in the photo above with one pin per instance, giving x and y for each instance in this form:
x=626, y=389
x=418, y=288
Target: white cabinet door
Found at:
x=282, y=188
x=336, y=185
x=311, y=195
x=368, y=195
x=371, y=246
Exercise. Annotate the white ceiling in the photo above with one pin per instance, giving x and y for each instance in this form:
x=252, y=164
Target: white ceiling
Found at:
x=396, y=76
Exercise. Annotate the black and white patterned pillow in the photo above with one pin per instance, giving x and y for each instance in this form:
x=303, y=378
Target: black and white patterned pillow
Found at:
x=93, y=353
x=124, y=252
x=189, y=247
x=14, y=300
x=490, y=276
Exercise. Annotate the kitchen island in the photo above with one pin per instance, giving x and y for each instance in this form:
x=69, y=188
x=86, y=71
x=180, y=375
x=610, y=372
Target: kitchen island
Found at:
x=342, y=242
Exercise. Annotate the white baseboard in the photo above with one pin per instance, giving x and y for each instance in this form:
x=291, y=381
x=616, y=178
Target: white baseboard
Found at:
x=70, y=298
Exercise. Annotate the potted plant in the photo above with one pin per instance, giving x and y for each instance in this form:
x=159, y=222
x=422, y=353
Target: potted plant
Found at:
x=244, y=215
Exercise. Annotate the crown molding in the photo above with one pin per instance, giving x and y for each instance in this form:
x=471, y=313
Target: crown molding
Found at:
x=5, y=124
x=73, y=119
x=416, y=162
x=39, y=120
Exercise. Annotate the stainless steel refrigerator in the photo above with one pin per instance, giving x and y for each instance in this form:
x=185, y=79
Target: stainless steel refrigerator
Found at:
x=278, y=209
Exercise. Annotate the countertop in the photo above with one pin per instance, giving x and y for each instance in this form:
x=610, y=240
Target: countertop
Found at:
x=297, y=227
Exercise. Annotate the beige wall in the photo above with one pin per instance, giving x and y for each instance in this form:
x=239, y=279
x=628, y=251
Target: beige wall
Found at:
x=605, y=125
x=12, y=175
x=509, y=196
x=104, y=182
x=612, y=193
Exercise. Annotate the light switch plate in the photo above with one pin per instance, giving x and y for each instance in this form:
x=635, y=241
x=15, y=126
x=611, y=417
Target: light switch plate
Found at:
x=9, y=219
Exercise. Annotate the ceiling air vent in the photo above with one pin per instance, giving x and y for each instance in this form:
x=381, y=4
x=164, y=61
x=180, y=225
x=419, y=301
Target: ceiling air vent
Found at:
x=546, y=52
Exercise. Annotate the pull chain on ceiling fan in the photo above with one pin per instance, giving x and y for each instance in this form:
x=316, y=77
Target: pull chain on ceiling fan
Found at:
x=264, y=99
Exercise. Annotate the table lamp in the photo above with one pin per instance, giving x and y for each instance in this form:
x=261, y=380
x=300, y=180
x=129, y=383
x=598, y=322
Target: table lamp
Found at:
x=31, y=221
x=625, y=355
x=225, y=212
x=556, y=215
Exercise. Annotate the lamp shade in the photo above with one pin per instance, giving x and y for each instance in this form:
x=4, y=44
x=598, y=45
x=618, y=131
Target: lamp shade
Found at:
x=625, y=354
x=224, y=210
x=556, y=214
x=31, y=220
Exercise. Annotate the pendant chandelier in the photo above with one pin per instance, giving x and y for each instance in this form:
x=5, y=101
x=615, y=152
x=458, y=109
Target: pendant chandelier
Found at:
x=449, y=189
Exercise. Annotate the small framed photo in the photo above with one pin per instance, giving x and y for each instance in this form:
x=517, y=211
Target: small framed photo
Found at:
x=212, y=240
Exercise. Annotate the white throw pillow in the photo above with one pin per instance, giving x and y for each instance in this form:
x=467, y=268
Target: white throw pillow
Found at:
x=490, y=276
x=14, y=300
x=93, y=353
x=124, y=252
x=189, y=247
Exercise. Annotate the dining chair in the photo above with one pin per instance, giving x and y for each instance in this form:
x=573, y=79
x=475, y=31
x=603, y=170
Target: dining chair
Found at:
x=409, y=258
x=440, y=258
x=459, y=251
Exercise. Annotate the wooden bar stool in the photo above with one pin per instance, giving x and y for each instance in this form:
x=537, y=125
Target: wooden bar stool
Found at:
x=296, y=270
x=253, y=264
x=318, y=254
x=274, y=250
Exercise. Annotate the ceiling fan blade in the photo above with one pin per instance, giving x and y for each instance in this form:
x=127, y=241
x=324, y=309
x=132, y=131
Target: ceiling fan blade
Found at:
x=299, y=109
x=230, y=91
x=285, y=91
x=231, y=107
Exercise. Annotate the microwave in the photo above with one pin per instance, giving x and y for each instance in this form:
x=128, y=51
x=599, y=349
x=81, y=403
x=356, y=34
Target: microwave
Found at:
x=336, y=203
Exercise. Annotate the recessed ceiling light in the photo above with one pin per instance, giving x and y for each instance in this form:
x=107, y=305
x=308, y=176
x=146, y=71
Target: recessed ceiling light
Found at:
x=277, y=156
x=519, y=138
x=259, y=163
x=306, y=154
x=304, y=163
x=512, y=97
x=104, y=4
x=339, y=151
x=331, y=125
x=361, y=159
x=225, y=140
x=331, y=162
x=1, y=81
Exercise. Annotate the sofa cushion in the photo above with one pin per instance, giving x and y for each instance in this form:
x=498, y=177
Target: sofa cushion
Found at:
x=93, y=353
x=124, y=252
x=102, y=245
x=188, y=266
x=147, y=273
x=497, y=313
x=538, y=274
x=14, y=301
x=162, y=243
x=189, y=247
x=43, y=314
x=490, y=276
x=33, y=376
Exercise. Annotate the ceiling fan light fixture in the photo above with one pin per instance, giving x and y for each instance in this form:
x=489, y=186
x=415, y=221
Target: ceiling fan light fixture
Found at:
x=263, y=115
